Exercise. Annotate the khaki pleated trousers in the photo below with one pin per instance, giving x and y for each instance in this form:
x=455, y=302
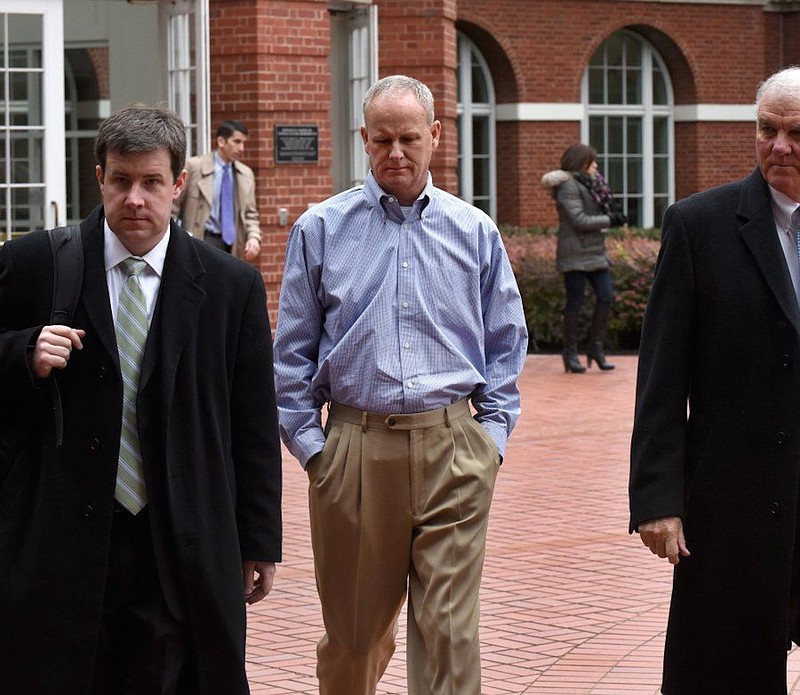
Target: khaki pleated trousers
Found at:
x=401, y=502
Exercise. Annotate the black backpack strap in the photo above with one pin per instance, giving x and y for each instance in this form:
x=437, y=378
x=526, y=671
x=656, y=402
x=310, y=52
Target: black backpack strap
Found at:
x=67, y=250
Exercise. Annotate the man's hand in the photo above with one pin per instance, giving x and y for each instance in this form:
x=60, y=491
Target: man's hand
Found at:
x=257, y=578
x=252, y=249
x=53, y=349
x=664, y=537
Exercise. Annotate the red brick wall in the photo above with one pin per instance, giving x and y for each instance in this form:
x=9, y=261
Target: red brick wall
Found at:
x=100, y=63
x=419, y=39
x=269, y=66
x=538, y=51
x=540, y=148
x=274, y=71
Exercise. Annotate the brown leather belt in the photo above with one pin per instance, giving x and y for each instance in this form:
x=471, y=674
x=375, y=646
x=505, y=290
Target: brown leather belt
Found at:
x=399, y=421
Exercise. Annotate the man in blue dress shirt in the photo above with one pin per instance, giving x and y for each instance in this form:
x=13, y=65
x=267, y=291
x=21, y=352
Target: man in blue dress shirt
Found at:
x=398, y=308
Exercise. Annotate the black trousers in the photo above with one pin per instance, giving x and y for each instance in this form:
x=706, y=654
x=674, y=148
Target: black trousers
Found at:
x=142, y=649
x=216, y=241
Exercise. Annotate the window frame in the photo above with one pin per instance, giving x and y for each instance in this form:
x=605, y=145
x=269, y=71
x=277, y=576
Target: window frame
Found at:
x=648, y=112
x=51, y=182
x=468, y=111
x=184, y=29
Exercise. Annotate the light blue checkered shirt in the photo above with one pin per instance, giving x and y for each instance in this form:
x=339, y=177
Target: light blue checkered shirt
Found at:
x=396, y=315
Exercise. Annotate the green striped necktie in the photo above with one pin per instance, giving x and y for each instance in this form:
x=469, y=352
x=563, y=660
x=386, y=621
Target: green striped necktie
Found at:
x=131, y=337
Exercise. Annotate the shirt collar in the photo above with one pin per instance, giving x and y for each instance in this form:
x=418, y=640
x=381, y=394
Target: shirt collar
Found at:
x=219, y=162
x=380, y=198
x=114, y=251
x=782, y=208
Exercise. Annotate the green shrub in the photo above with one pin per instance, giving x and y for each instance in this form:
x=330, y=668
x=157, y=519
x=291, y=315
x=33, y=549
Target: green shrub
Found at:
x=533, y=257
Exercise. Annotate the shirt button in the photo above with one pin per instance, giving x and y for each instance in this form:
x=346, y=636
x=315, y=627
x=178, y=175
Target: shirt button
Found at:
x=406, y=345
x=410, y=384
x=405, y=264
x=406, y=305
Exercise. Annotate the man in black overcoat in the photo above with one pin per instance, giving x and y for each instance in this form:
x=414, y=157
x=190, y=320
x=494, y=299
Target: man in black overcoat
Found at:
x=714, y=487
x=96, y=599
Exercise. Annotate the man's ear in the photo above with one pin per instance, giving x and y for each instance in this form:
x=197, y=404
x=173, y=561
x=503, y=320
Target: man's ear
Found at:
x=436, y=131
x=98, y=174
x=180, y=182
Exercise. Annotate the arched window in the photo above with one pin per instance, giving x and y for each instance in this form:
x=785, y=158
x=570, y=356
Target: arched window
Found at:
x=476, y=129
x=629, y=121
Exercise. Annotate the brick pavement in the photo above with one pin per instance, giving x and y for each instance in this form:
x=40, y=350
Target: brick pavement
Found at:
x=571, y=604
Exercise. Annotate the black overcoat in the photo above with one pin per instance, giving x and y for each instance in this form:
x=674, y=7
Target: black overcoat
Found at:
x=208, y=430
x=721, y=332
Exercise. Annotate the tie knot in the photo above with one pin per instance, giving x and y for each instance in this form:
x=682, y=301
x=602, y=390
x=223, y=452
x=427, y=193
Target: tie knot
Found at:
x=133, y=266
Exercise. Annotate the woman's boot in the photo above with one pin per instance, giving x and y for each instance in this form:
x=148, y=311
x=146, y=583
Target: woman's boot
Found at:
x=572, y=363
x=597, y=336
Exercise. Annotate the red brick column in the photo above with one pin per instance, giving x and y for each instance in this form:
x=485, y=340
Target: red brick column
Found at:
x=419, y=39
x=274, y=72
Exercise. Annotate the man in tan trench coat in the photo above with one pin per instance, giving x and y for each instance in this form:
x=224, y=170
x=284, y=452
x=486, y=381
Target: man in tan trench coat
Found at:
x=199, y=207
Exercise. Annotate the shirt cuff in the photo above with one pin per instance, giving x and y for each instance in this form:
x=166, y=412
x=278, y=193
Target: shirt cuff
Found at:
x=498, y=435
x=305, y=446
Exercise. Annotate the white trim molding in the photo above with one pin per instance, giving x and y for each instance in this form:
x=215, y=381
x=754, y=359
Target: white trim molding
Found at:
x=540, y=112
x=714, y=112
x=686, y=113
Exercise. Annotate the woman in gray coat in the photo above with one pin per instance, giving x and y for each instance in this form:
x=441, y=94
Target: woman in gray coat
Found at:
x=585, y=214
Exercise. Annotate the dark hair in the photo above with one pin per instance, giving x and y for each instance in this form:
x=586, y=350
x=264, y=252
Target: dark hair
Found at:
x=578, y=157
x=141, y=128
x=228, y=128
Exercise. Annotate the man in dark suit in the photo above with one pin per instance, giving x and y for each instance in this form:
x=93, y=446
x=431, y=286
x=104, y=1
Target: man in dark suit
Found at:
x=715, y=490
x=105, y=592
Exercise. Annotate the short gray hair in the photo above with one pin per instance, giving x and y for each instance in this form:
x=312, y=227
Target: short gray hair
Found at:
x=396, y=84
x=141, y=128
x=785, y=82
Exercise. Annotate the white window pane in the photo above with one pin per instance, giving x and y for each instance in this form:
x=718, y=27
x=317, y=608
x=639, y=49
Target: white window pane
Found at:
x=633, y=144
x=476, y=128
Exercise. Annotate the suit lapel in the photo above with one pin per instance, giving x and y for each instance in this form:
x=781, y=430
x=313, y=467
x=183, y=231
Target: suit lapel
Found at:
x=94, y=293
x=759, y=234
x=179, y=301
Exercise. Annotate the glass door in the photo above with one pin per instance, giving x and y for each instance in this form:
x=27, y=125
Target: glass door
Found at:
x=32, y=169
x=184, y=37
x=354, y=67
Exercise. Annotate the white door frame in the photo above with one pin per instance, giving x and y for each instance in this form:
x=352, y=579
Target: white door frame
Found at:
x=53, y=164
